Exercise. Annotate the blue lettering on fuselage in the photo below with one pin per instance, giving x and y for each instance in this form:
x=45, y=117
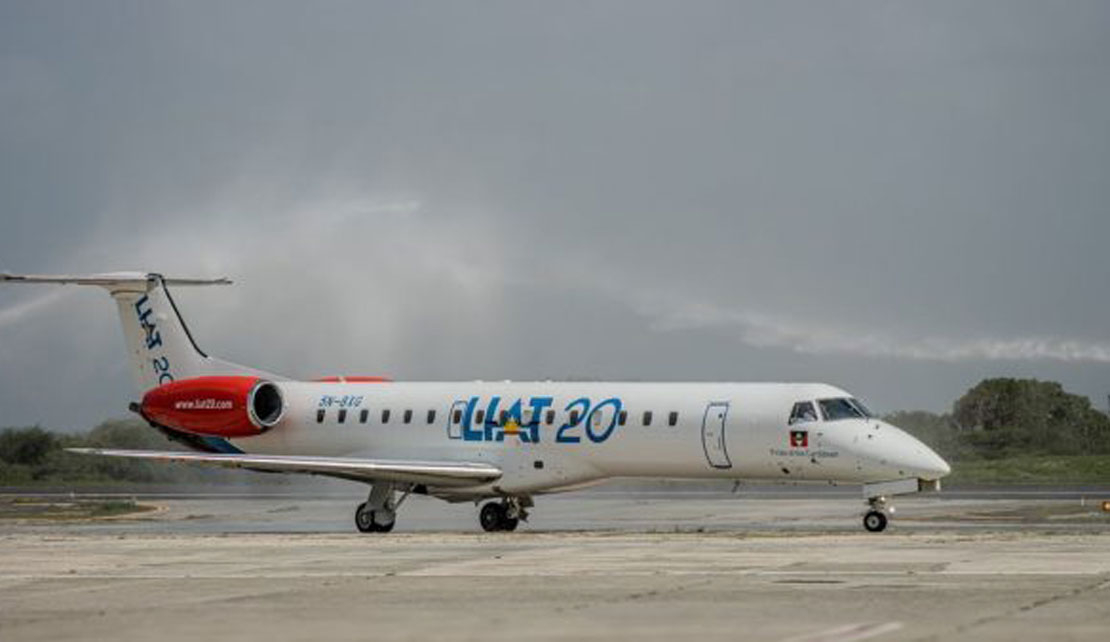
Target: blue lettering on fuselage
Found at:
x=539, y=405
x=489, y=424
x=501, y=420
x=468, y=433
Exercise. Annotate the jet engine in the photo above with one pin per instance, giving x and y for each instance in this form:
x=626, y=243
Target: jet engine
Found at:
x=225, y=406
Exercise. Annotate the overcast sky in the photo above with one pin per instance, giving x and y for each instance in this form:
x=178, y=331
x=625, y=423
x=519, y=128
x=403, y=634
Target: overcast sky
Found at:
x=900, y=198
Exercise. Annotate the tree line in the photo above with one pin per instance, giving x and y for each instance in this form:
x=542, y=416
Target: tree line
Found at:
x=1006, y=417
x=33, y=455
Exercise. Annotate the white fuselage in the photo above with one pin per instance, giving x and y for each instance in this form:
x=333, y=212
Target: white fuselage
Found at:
x=463, y=441
x=561, y=435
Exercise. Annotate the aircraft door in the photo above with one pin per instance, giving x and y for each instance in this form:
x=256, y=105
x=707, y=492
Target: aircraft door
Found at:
x=455, y=419
x=713, y=435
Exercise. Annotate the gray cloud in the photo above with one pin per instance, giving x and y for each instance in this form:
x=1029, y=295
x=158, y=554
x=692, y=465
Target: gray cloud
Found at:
x=895, y=197
x=762, y=330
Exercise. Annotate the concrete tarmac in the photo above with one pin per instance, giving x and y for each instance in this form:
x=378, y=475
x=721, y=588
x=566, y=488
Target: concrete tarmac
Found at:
x=585, y=567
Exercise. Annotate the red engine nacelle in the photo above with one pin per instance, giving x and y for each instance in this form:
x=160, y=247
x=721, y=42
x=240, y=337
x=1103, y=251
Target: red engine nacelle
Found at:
x=216, y=406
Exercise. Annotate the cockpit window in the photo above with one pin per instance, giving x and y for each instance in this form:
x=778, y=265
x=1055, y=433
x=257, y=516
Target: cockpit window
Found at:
x=837, y=409
x=862, y=408
x=803, y=411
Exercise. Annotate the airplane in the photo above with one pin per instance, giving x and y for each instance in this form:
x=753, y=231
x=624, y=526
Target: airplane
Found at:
x=502, y=443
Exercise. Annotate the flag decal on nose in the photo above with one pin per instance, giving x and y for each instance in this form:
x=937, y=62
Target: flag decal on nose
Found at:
x=799, y=439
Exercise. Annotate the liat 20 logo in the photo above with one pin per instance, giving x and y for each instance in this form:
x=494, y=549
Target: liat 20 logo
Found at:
x=494, y=420
x=799, y=439
x=153, y=339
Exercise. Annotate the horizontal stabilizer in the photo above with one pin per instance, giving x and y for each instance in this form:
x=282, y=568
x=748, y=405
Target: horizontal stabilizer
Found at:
x=158, y=342
x=107, y=279
x=432, y=473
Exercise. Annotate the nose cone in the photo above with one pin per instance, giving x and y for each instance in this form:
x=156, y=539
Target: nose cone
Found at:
x=908, y=454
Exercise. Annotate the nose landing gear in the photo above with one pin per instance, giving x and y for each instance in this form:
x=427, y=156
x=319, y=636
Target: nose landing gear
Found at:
x=875, y=519
x=504, y=515
x=876, y=493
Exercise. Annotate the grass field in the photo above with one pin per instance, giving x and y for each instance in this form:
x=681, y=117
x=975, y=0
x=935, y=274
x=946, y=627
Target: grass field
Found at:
x=54, y=509
x=1045, y=469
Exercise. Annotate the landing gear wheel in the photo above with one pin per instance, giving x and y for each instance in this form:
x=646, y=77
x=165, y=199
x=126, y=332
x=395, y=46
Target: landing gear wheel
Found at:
x=874, y=521
x=493, y=517
x=364, y=520
x=509, y=523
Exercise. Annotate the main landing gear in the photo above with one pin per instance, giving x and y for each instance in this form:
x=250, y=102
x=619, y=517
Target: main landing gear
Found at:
x=378, y=513
x=366, y=519
x=504, y=515
x=876, y=518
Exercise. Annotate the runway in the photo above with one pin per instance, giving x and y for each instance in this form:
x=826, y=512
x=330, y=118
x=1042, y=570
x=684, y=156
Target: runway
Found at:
x=586, y=567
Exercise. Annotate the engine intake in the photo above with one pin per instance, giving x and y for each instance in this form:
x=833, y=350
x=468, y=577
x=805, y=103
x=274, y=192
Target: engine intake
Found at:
x=266, y=404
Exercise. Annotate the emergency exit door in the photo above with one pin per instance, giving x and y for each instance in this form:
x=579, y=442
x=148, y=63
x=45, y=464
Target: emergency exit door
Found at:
x=713, y=435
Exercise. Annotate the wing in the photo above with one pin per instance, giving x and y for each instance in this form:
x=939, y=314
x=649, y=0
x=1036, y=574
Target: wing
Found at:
x=431, y=473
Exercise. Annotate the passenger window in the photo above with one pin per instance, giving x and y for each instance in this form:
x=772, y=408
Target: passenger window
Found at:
x=803, y=412
x=647, y=417
x=672, y=419
x=504, y=419
x=363, y=416
x=550, y=417
x=385, y=416
x=431, y=416
x=622, y=418
x=342, y=415
x=408, y=416
x=479, y=417
x=320, y=416
x=456, y=417
x=573, y=417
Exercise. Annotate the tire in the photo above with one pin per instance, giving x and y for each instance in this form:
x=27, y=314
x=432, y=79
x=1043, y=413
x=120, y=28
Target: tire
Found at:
x=492, y=517
x=874, y=521
x=509, y=523
x=364, y=519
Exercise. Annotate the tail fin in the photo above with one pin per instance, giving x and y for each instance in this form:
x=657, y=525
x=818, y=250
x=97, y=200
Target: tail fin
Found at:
x=159, y=345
